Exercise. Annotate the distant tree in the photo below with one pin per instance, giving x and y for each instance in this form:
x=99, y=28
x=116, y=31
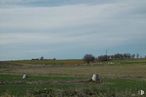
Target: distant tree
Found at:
x=89, y=58
x=118, y=56
x=137, y=55
x=126, y=56
x=103, y=58
x=42, y=58
x=54, y=59
x=35, y=59
x=123, y=56
x=133, y=56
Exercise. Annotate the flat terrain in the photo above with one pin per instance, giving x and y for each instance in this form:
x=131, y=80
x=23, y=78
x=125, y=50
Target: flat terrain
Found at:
x=125, y=77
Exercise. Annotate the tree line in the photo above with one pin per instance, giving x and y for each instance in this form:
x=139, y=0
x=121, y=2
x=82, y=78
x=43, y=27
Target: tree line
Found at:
x=90, y=58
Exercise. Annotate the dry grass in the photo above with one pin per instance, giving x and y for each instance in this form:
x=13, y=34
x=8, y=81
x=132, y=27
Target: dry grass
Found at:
x=135, y=71
x=52, y=76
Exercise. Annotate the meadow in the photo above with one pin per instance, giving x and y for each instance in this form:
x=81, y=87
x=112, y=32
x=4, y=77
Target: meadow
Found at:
x=70, y=78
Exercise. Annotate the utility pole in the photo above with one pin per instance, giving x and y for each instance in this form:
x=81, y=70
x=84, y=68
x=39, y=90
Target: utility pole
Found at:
x=106, y=54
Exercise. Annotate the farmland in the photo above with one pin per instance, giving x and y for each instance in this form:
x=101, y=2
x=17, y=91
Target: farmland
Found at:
x=70, y=78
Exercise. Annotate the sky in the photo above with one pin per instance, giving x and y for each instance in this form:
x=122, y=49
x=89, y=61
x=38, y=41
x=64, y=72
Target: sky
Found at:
x=69, y=29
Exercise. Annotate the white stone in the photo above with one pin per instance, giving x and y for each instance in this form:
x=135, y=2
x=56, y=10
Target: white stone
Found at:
x=95, y=77
x=24, y=76
x=141, y=92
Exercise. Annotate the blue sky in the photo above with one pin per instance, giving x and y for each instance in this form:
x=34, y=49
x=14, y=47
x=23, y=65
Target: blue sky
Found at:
x=71, y=28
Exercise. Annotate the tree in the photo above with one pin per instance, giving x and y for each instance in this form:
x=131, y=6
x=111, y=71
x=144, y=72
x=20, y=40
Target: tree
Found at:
x=89, y=58
x=104, y=58
x=42, y=58
x=137, y=56
x=133, y=56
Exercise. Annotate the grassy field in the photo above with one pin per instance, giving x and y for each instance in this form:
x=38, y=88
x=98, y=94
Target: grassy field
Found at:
x=70, y=78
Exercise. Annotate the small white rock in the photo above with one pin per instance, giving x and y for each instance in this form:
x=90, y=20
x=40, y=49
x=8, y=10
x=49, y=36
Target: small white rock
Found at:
x=95, y=77
x=24, y=76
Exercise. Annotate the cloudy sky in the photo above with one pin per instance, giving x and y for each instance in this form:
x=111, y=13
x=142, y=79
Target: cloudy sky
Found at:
x=71, y=28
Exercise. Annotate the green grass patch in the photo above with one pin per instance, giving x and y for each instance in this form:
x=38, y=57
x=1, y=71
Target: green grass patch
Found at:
x=16, y=86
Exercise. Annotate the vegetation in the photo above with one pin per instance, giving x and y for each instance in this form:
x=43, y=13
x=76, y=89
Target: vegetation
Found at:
x=122, y=78
x=117, y=56
x=37, y=86
x=89, y=58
